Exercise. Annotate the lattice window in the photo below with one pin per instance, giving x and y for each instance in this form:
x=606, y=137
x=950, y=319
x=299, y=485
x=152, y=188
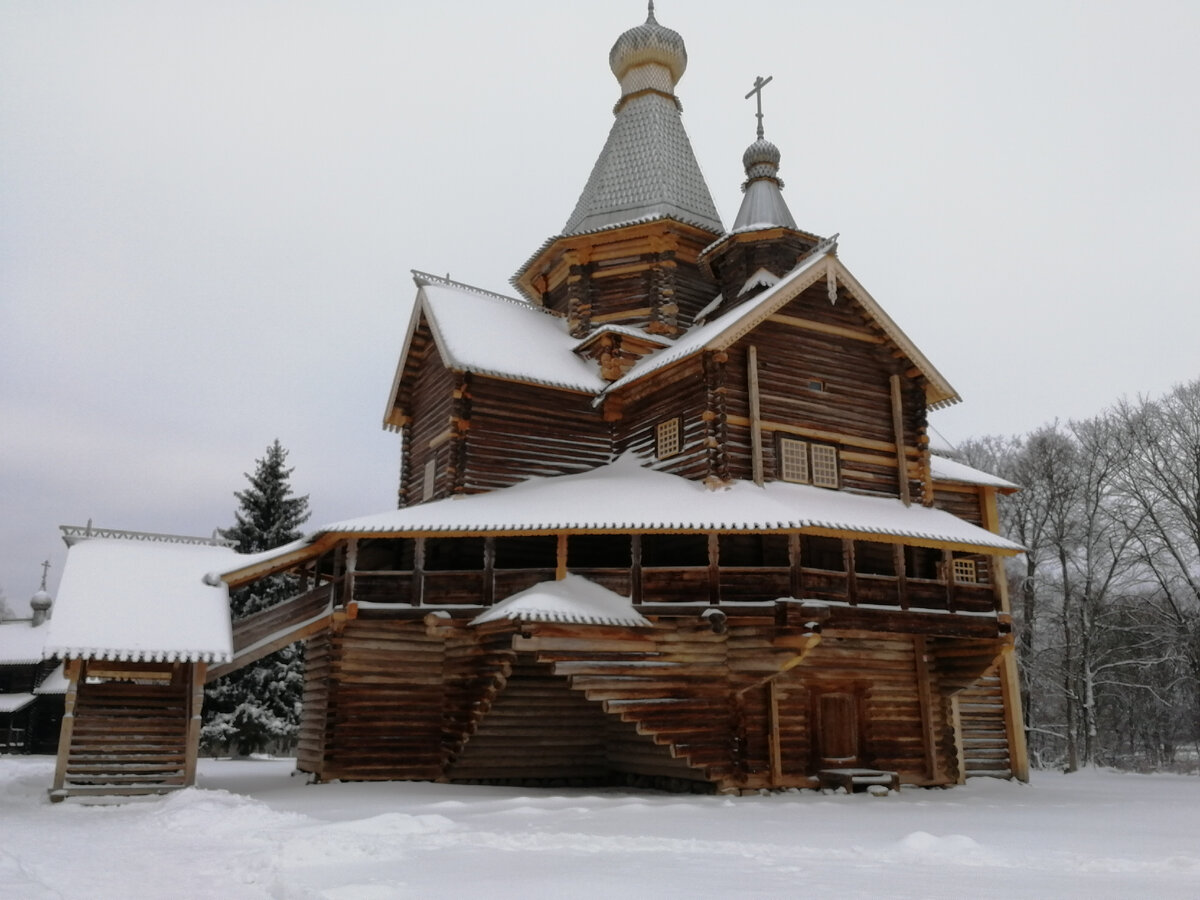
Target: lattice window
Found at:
x=964, y=571
x=430, y=482
x=793, y=460
x=824, y=466
x=666, y=438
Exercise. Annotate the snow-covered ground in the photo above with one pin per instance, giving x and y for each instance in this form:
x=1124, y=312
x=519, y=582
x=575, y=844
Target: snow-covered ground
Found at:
x=253, y=831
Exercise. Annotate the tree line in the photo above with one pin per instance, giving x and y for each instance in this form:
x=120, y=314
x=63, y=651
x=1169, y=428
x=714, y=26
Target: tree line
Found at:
x=1106, y=599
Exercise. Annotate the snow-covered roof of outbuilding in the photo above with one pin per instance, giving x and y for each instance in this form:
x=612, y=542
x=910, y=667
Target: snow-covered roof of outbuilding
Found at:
x=951, y=470
x=139, y=600
x=573, y=600
x=624, y=496
x=11, y=703
x=20, y=642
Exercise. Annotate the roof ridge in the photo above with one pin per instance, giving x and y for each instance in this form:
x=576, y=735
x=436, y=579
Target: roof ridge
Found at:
x=425, y=278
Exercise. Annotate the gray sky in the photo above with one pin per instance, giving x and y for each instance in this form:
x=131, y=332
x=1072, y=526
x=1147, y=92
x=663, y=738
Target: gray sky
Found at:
x=208, y=213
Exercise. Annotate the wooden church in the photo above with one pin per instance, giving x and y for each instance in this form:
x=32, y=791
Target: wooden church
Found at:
x=692, y=536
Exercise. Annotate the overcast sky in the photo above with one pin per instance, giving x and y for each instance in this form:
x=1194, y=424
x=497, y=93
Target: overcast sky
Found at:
x=208, y=213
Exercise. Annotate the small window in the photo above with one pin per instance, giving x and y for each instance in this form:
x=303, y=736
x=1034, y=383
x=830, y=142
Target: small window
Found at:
x=964, y=571
x=427, y=486
x=816, y=385
x=824, y=466
x=793, y=460
x=666, y=438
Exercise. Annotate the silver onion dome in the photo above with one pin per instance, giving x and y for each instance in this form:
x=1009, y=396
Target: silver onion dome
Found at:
x=648, y=43
x=761, y=159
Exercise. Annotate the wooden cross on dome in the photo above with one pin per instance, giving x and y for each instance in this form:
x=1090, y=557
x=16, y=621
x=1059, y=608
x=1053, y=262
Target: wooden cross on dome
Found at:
x=45, y=570
x=759, y=84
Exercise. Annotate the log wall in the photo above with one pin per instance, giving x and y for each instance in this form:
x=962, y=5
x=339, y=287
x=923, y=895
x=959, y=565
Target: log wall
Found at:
x=431, y=406
x=984, y=737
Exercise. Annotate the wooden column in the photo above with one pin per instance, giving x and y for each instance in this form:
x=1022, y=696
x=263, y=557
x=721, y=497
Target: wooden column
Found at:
x=851, y=575
x=796, y=565
x=959, y=749
x=756, y=450
x=948, y=568
x=714, y=569
x=195, y=707
x=1014, y=717
x=351, y=568
x=925, y=695
x=773, y=734
x=635, y=568
x=489, y=570
x=74, y=672
x=901, y=574
x=898, y=431
x=560, y=558
x=418, y=588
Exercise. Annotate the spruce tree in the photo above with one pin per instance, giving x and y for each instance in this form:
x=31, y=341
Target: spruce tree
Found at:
x=257, y=708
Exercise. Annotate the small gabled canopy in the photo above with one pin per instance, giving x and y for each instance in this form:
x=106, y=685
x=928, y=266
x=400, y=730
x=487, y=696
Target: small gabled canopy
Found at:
x=820, y=264
x=137, y=600
x=490, y=334
x=572, y=600
x=950, y=470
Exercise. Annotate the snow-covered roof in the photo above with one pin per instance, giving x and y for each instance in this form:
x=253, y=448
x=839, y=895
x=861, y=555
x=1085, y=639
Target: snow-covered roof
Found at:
x=574, y=600
x=491, y=334
x=624, y=496
x=138, y=600
x=20, y=642
x=54, y=683
x=11, y=703
x=950, y=470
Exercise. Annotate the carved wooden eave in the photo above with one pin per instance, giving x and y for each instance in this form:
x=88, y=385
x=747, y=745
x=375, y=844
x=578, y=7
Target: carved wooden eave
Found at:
x=723, y=244
x=551, y=264
x=820, y=265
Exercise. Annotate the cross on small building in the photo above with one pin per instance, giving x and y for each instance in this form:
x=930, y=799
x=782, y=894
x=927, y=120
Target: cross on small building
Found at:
x=45, y=571
x=759, y=84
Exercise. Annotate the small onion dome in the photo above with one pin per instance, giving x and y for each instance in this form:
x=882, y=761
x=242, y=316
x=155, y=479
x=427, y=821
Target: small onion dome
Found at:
x=761, y=159
x=41, y=601
x=648, y=43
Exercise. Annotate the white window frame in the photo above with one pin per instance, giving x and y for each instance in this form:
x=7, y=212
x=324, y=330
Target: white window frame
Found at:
x=824, y=466
x=668, y=438
x=793, y=461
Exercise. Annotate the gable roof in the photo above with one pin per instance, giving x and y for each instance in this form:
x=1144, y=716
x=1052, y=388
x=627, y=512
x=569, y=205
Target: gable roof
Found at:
x=820, y=264
x=491, y=334
x=574, y=600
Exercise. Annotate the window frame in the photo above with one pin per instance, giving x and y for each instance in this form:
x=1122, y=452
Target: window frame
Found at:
x=668, y=438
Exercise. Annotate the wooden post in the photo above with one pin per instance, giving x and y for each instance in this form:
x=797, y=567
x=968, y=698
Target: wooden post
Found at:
x=948, y=570
x=560, y=559
x=959, y=750
x=351, y=568
x=991, y=521
x=419, y=571
x=195, y=707
x=756, y=450
x=1014, y=718
x=925, y=695
x=796, y=565
x=635, y=568
x=851, y=575
x=74, y=673
x=773, y=734
x=898, y=430
x=714, y=569
x=489, y=570
x=901, y=574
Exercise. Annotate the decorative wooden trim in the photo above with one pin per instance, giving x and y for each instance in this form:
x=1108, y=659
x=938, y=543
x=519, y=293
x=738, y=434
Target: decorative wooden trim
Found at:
x=756, y=448
x=898, y=431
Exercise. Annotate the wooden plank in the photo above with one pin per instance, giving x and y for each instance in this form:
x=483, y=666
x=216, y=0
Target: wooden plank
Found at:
x=756, y=450
x=196, y=705
x=898, y=430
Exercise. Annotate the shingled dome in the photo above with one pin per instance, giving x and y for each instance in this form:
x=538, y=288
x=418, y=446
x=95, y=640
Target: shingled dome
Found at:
x=648, y=43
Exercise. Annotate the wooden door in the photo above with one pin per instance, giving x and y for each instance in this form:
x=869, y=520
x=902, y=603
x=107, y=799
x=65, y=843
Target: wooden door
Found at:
x=837, y=738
